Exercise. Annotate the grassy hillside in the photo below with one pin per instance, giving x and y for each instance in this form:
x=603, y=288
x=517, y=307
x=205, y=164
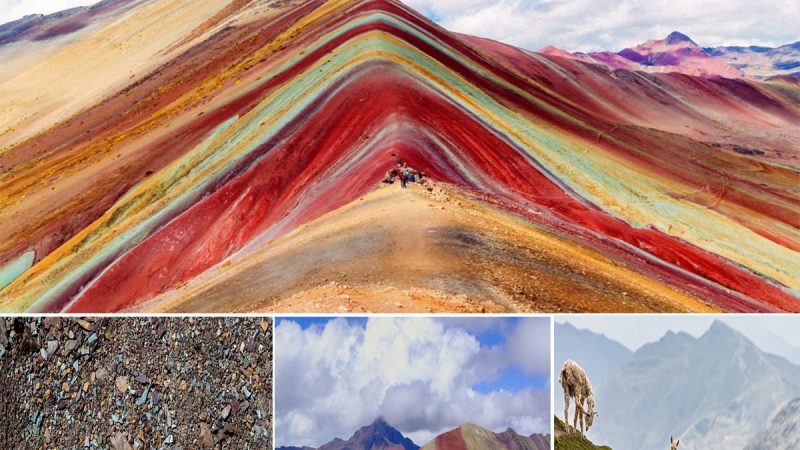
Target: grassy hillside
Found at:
x=572, y=441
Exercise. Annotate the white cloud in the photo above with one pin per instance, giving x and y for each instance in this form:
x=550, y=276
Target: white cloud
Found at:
x=11, y=10
x=588, y=25
x=416, y=373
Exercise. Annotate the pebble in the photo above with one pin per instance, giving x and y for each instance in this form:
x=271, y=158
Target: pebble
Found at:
x=143, y=399
x=206, y=439
x=122, y=384
x=101, y=373
x=226, y=411
x=70, y=346
x=84, y=324
x=120, y=442
x=52, y=347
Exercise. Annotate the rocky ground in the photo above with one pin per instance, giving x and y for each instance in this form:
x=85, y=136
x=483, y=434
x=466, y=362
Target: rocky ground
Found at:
x=135, y=383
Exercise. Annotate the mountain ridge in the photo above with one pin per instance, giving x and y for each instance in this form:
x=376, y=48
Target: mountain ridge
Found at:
x=379, y=435
x=474, y=437
x=717, y=389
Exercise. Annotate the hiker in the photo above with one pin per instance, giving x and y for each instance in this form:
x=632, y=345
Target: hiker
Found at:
x=405, y=174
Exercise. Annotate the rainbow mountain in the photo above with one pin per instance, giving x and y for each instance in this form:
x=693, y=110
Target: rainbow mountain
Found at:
x=175, y=155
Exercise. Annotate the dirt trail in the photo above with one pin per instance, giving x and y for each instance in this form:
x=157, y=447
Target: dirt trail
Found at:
x=421, y=250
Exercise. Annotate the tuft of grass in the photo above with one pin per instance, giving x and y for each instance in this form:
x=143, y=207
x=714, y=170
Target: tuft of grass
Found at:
x=573, y=441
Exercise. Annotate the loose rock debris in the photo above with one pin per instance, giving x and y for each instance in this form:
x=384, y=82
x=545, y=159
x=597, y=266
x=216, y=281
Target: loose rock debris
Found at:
x=135, y=383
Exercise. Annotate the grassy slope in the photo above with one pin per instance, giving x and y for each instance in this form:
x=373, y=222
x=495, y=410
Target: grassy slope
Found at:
x=569, y=441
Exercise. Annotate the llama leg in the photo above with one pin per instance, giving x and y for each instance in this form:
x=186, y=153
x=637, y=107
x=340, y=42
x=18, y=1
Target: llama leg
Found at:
x=575, y=417
x=566, y=410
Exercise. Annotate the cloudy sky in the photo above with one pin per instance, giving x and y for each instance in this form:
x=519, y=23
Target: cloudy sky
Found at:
x=423, y=376
x=16, y=9
x=578, y=25
x=588, y=25
x=775, y=334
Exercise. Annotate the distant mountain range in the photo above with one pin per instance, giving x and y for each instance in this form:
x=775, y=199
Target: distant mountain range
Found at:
x=679, y=53
x=377, y=436
x=715, y=391
x=598, y=355
x=761, y=62
x=381, y=436
x=473, y=437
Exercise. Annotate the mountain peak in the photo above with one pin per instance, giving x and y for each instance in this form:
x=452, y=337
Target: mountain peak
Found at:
x=378, y=435
x=676, y=37
x=720, y=328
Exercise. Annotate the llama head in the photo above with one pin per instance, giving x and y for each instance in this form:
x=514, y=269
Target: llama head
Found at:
x=673, y=444
x=590, y=413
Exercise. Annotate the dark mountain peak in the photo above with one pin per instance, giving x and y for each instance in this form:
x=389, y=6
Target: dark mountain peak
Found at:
x=380, y=422
x=378, y=435
x=676, y=37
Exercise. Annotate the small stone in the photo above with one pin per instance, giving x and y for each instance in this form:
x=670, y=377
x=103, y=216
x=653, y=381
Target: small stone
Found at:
x=141, y=378
x=246, y=392
x=122, y=384
x=206, y=439
x=120, y=442
x=92, y=339
x=52, y=347
x=264, y=326
x=226, y=412
x=141, y=400
x=102, y=373
x=52, y=322
x=160, y=331
x=84, y=324
x=70, y=346
x=182, y=385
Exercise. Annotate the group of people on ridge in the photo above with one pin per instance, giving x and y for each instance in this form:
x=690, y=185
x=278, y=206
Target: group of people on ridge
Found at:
x=404, y=173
